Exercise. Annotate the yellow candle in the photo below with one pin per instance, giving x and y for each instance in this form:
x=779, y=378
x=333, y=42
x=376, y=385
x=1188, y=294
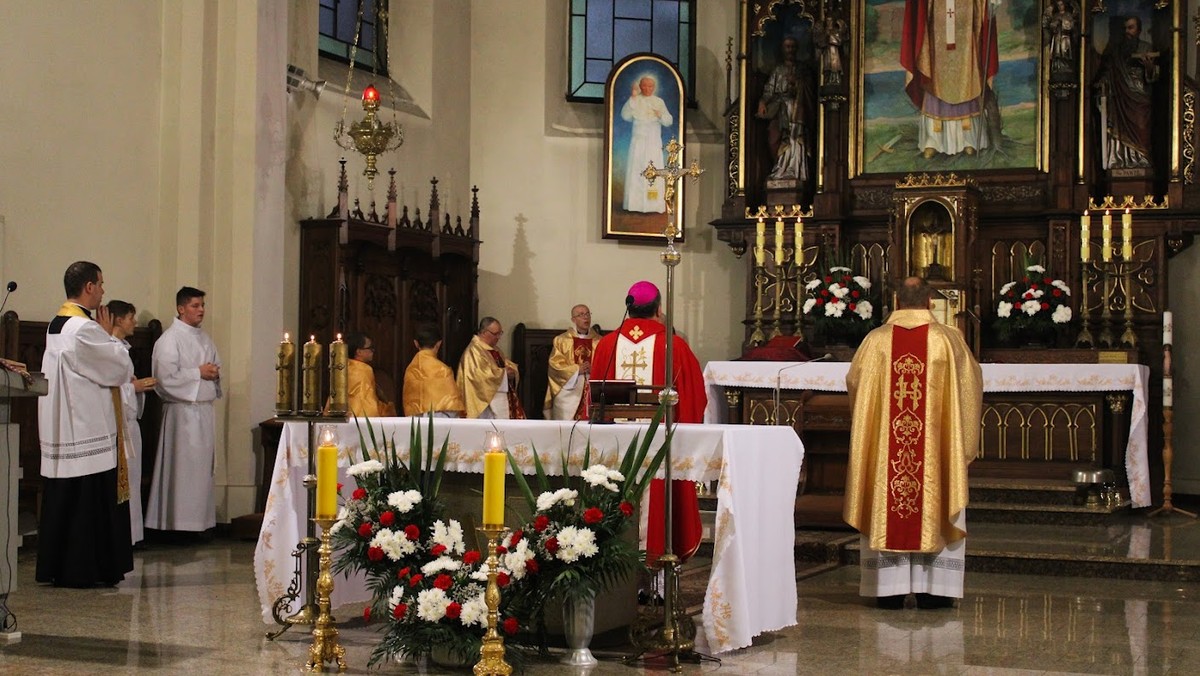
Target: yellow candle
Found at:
x=1107, y=237
x=338, y=377
x=1126, y=235
x=797, y=256
x=1085, y=236
x=311, y=392
x=327, y=463
x=494, y=460
x=779, y=242
x=760, y=242
x=285, y=366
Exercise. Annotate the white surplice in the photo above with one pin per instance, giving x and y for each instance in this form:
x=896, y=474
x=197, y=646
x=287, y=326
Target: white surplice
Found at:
x=181, y=494
x=898, y=573
x=132, y=405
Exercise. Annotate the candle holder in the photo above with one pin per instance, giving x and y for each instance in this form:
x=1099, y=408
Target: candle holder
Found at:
x=1085, y=339
x=325, y=646
x=757, y=337
x=491, y=652
x=1168, y=445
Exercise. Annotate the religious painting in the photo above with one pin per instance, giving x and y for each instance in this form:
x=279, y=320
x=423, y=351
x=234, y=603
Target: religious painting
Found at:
x=644, y=107
x=1131, y=91
x=948, y=86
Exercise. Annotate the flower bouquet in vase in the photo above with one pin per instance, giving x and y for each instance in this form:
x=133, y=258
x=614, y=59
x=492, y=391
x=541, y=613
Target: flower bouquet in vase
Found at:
x=1031, y=310
x=581, y=536
x=838, y=305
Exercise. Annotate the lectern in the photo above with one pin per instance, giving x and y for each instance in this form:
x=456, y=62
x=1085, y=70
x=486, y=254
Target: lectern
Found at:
x=12, y=385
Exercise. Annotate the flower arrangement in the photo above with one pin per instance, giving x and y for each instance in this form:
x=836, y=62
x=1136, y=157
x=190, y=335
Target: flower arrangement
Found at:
x=1032, y=306
x=574, y=542
x=427, y=588
x=839, y=303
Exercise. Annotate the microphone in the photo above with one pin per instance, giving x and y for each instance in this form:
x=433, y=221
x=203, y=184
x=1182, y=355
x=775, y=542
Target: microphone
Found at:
x=12, y=286
x=779, y=376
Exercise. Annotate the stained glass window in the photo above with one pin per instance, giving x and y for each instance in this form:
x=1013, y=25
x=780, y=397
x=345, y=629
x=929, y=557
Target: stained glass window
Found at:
x=337, y=23
x=605, y=31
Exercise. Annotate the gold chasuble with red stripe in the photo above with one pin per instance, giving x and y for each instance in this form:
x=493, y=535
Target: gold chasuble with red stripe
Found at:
x=916, y=394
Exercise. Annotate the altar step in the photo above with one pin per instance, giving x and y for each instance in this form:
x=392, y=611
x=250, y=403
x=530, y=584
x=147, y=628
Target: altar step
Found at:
x=1036, y=501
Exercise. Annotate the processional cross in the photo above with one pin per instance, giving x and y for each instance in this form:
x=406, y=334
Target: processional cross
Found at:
x=671, y=175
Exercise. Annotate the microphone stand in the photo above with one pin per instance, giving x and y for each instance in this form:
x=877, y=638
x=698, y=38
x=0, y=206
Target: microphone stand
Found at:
x=778, y=380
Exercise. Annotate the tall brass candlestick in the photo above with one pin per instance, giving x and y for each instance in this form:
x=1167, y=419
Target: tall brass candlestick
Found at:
x=338, y=378
x=491, y=653
x=325, y=646
x=285, y=374
x=310, y=397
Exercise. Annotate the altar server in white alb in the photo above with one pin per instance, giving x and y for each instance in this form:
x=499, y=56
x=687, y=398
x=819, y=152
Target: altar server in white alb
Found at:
x=916, y=394
x=83, y=531
x=188, y=371
x=133, y=403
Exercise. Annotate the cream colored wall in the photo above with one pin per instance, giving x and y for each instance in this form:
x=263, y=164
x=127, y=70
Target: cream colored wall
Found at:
x=79, y=149
x=543, y=250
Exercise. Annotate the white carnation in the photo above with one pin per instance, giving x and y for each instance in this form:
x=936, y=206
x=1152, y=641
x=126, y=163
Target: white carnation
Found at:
x=808, y=305
x=343, y=516
x=394, y=544
x=1004, y=309
x=404, y=501
x=364, y=468
x=1031, y=307
x=576, y=543
x=813, y=284
x=474, y=611
x=515, y=558
x=838, y=290
x=863, y=282
x=599, y=475
x=450, y=536
x=564, y=495
x=839, y=268
x=396, y=596
x=1007, y=287
x=835, y=309
x=1062, y=314
x=1036, y=268
x=431, y=604
x=1061, y=286
x=863, y=309
x=440, y=564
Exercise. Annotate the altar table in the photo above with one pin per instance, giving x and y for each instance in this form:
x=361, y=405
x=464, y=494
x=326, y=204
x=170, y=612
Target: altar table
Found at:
x=831, y=377
x=752, y=584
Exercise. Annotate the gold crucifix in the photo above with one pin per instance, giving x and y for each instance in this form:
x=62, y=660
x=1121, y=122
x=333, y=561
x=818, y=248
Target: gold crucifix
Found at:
x=670, y=176
x=635, y=362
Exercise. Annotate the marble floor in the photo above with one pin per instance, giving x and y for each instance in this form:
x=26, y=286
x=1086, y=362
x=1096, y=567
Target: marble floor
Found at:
x=193, y=610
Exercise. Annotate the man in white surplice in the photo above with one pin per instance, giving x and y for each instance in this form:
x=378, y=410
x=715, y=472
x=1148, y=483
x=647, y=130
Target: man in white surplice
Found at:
x=188, y=371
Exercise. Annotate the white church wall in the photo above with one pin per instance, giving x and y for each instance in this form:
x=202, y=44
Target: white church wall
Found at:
x=543, y=250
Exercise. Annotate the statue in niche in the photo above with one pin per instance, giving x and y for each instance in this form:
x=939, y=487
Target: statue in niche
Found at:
x=1061, y=20
x=787, y=104
x=1128, y=69
x=830, y=34
x=931, y=243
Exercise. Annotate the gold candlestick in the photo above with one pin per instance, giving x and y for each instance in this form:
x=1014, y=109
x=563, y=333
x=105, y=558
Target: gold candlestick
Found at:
x=325, y=646
x=491, y=653
x=310, y=396
x=285, y=368
x=338, y=378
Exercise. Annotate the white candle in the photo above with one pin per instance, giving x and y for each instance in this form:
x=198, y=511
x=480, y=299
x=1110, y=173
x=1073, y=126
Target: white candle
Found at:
x=1085, y=236
x=1168, y=328
x=1106, y=239
x=1168, y=392
x=1126, y=236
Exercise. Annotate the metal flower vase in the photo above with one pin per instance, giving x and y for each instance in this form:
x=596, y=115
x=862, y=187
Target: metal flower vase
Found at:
x=579, y=615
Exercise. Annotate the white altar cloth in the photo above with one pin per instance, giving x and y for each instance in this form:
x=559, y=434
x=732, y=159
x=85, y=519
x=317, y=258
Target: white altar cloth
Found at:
x=752, y=584
x=831, y=377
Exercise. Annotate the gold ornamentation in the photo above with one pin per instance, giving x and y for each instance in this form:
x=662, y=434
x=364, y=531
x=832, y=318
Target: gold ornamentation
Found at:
x=636, y=333
x=671, y=175
x=325, y=646
x=1045, y=431
x=1117, y=402
x=1189, y=133
x=938, y=180
x=1128, y=202
x=733, y=397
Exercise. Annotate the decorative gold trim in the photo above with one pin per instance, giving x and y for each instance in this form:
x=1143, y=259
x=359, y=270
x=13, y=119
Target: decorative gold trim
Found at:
x=733, y=397
x=1129, y=202
x=938, y=180
x=1117, y=402
x=1189, y=136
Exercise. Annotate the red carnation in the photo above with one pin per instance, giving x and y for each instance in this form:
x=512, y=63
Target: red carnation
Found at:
x=375, y=554
x=592, y=515
x=438, y=550
x=828, y=279
x=516, y=537
x=1033, y=287
x=367, y=613
x=825, y=292
x=820, y=301
x=340, y=485
x=541, y=523
x=851, y=306
x=1057, y=292
x=552, y=545
x=1045, y=305
x=531, y=566
x=364, y=529
x=415, y=580
x=471, y=557
x=454, y=610
x=359, y=494
x=399, y=610
x=501, y=549
x=627, y=508
x=387, y=518
x=845, y=279
x=402, y=572
x=1047, y=280
x=502, y=579
x=855, y=294
x=443, y=582
x=511, y=625
x=412, y=532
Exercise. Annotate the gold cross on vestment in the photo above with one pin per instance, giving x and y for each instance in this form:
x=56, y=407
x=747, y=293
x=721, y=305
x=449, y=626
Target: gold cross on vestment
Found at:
x=636, y=333
x=904, y=391
x=670, y=176
x=636, y=361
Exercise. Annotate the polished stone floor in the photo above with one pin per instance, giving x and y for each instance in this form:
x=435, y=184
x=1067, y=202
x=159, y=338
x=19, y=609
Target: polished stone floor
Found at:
x=193, y=610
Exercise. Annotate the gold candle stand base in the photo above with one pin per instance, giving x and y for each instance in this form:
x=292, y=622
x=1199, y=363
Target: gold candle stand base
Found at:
x=491, y=653
x=325, y=646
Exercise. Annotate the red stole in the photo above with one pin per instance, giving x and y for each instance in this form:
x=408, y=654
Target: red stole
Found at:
x=907, y=395
x=515, y=410
x=582, y=351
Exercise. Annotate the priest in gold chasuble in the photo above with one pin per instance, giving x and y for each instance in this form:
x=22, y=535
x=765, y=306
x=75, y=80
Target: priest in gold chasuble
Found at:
x=487, y=380
x=428, y=382
x=570, y=365
x=916, y=393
